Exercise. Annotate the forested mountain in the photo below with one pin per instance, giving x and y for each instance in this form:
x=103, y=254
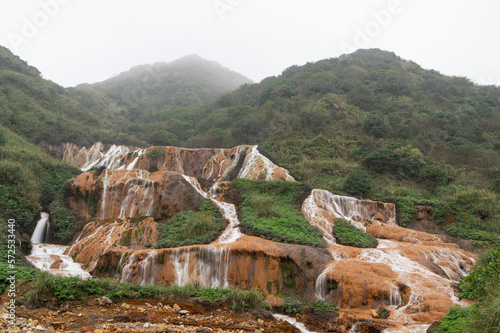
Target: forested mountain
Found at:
x=41, y=110
x=189, y=81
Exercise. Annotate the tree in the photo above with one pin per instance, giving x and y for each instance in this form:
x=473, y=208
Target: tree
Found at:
x=375, y=124
x=163, y=138
x=358, y=184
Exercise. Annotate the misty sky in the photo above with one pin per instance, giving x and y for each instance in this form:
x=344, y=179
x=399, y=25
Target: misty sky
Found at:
x=86, y=41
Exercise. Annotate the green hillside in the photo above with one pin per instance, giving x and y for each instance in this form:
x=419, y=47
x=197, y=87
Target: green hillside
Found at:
x=40, y=110
x=367, y=124
x=372, y=125
x=31, y=181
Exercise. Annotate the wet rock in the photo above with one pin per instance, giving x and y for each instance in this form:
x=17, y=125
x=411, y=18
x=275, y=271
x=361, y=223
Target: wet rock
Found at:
x=183, y=312
x=434, y=328
x=105, y=300
x=161, y=328
x=176, y=308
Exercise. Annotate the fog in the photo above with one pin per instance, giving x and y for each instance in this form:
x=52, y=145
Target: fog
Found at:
x=73, y=42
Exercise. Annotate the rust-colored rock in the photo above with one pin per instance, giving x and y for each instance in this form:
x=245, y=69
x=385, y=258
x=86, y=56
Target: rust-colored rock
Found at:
x=123, y=194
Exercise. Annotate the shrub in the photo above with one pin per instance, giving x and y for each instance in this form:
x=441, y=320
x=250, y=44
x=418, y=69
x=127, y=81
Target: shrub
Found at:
x=358, y=184
x=457, y=320
x=383, y=313
x=483, y=277
x=293, y=305
x=347, y=234
x=375, y=124
x=248, y=300
x=63, y=221
x=319, y=307
x=434, y=175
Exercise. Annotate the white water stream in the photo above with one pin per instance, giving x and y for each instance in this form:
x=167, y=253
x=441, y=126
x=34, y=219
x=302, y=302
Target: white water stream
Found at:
x=302, y=328
x=50, y=257
x=40, y=234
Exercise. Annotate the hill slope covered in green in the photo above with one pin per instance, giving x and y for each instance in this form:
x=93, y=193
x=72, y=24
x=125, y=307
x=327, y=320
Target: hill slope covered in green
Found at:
x=372, y=125
x=41, y=110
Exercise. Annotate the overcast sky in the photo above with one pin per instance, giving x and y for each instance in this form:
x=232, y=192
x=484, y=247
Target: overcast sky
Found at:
x=86, y=41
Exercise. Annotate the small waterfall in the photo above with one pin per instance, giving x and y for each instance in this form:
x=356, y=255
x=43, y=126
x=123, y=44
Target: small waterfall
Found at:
x=354, y=328
x=147, y=268
x=105, y=185
x=41, y=233
x=137, y=153
x=207, y=266
x=322, y=208
x=232, y=231
x=394, y=296
x=420, y=280
x=127, y=272
x=223, y=162
x=302, y=328
x=255, y=161
x=132, y=189
x=137, y=191
x=320, y=289
x=112, y=159
x=50, y=257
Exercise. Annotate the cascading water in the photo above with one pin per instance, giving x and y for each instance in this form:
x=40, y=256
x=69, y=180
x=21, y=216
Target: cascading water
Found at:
x=207, y=266
x=131, y=188
x=117, y=157
x=232, y=231
x=50, y=257
x=41, y=232
x=256, y=161
x=302, y=328
x=404, y=262
x=321, y=208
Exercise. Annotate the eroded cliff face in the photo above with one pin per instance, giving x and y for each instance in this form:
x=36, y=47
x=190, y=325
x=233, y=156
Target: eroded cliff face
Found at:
x=411, y=272
x=215, y=165
x=124, y=194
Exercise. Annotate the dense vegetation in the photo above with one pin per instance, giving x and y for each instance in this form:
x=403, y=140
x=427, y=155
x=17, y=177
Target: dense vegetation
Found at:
x=189, y=227
x=40, y=110
x=347, y=234
x=269, y=210
x=483, y=287
x=30, y=181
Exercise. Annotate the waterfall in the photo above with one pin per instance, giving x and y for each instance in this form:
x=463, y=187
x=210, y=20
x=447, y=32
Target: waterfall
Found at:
x=302, y=328
x=256, y=161
x=41, y=233
x=136, y=192
x=232, y=231
x=132, y=189
x=207, y=266
x=50, y=257
x=321, y=208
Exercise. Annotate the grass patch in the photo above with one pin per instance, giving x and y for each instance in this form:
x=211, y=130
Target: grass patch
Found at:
x=293, y=305
x=319, y=307
x=270, y=210
x=347, y=234
x=189, y=227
